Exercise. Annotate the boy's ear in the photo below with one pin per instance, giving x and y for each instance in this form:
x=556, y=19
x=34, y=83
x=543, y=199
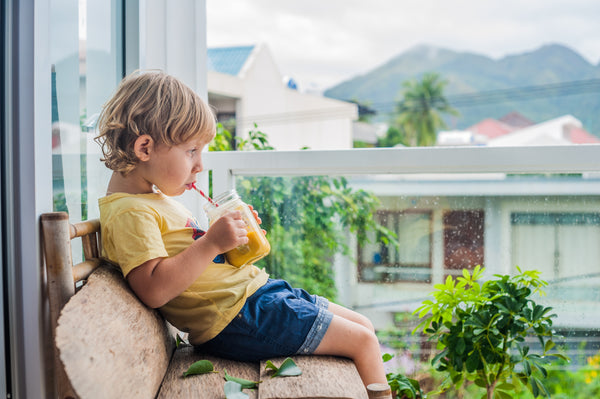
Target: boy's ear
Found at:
x=143, y=147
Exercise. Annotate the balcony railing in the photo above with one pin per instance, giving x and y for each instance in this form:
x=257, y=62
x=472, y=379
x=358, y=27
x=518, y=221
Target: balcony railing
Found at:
x=429, y=160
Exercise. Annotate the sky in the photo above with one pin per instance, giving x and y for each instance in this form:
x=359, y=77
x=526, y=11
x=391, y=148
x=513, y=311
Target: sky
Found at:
x=321, y=43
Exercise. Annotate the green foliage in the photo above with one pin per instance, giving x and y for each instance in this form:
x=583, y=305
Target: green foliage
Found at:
x=59, y=203
x=246, y=384
x=401, y=385
x=288, y=368
x=393, y=136
x=480, y=331
x=360, y=144
x=419, y=113
x=200, y=367
x=223, y=141
x=583, y=383
x=307, y=220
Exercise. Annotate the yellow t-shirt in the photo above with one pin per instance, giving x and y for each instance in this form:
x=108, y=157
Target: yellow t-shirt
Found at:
x=138, y=228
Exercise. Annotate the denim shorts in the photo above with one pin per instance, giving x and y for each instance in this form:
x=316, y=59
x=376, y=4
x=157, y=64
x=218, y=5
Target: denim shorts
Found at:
x=277, y=320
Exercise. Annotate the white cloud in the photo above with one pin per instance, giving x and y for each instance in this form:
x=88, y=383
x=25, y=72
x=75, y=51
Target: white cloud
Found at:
x=328, y=41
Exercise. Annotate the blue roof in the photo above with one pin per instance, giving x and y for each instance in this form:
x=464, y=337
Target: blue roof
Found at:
x=229, y=60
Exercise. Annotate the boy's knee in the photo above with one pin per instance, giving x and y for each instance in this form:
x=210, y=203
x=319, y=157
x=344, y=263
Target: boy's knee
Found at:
x=366, y=322
x=368, y=337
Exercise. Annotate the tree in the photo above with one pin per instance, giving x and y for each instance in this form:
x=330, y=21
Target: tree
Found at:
x=419, y=111
x=392, y=137
x=481, y=330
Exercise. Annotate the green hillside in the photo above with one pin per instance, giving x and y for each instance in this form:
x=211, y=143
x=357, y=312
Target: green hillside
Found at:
x=538, y=84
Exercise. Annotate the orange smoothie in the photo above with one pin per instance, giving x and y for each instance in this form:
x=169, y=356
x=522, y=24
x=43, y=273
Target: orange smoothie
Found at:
x=257, y=248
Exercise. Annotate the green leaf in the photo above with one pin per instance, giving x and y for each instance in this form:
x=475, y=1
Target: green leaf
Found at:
x=287, y=369
x=527, y=366
x=541, y=385
x=386, y=357
x=233, y=390
x=243, y=382
x=506, y=386
x=200, y=367
x=502, y=395
x=179, y=341
x=480, y=382
x=439, y=356
x=473, y=362
x=534, y=387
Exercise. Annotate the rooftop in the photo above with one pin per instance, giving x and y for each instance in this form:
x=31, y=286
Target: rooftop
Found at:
x=228, y=60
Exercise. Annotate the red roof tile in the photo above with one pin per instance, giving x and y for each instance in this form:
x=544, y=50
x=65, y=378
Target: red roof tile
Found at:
x=490, y=128
x=580, y=136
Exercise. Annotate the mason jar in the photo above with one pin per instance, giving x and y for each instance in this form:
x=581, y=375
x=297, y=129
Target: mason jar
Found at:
x=258, y=246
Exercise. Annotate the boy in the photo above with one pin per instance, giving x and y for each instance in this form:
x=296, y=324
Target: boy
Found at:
x=152, y=133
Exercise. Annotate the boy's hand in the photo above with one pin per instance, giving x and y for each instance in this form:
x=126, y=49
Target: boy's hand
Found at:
x=228, y=232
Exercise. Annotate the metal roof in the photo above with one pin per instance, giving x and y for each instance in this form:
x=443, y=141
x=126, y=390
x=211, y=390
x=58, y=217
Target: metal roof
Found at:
x=228, y=60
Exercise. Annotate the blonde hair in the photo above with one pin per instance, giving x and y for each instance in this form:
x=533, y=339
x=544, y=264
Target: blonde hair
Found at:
x=152, y=103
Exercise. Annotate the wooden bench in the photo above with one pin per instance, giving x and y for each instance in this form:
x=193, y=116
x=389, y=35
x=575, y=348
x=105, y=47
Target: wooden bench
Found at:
x=110, y=345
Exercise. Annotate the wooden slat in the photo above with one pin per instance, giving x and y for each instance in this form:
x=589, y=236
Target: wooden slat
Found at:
x=90, y=247
x=85, y=227
x=206, y=386
x=82, y=271
x=60, y=286
x=111, y=345
x=322, y=377
x=379, y=391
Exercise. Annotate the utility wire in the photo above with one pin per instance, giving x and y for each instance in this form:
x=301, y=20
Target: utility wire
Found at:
x=513, y=94
x=458, y=100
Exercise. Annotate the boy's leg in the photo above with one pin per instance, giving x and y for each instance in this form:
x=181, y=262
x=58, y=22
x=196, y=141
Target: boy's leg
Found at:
x=350, y=315
x=349, y=337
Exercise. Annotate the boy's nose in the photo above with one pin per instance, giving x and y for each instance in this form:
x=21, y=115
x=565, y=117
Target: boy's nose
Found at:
x=198, y=167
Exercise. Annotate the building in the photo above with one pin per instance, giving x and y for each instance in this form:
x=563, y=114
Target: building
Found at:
x=516, y=130
x=246, y=89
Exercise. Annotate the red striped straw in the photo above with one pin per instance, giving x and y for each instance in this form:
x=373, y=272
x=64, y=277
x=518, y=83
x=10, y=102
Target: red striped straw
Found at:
x=204, y=195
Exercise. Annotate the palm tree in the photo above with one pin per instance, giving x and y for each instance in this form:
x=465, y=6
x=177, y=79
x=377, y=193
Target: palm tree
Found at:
x=419, y=112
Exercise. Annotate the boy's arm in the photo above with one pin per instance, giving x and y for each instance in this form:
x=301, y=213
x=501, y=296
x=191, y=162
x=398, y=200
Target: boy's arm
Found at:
x=159, y=280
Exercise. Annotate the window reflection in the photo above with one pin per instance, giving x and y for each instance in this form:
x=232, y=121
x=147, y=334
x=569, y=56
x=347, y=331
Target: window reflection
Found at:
x=86, y=54
x=409, y=260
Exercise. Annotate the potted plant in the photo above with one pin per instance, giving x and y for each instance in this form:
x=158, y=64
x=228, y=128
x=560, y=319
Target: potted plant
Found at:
x=480, y=329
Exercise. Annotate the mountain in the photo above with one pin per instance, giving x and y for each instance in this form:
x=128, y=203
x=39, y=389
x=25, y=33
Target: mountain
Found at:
x=470, y=73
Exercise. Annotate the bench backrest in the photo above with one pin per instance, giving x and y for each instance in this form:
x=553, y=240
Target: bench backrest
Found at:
x=108, y=344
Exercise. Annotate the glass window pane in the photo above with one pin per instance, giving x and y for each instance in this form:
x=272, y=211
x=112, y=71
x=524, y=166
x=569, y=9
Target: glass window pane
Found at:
x=86, y=53
x=414, y=230
x=439, y=231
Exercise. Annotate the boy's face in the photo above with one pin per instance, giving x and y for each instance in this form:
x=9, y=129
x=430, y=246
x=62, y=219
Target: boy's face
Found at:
x=173, y=169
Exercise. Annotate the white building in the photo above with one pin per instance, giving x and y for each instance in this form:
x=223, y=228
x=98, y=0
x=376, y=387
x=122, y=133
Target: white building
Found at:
x=564, y=130
x=244, y=83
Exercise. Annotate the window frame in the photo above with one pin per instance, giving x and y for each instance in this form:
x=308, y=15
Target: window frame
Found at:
x=397, y=215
